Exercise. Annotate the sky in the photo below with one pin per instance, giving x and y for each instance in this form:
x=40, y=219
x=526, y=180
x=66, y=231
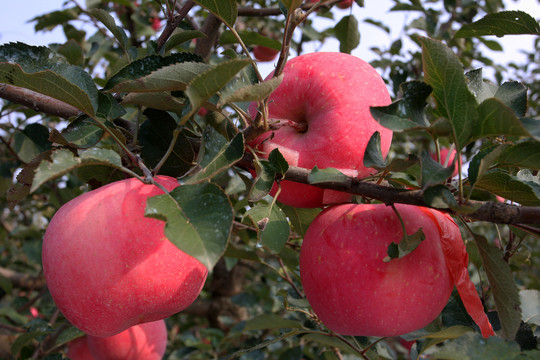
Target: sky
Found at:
x=15, y=14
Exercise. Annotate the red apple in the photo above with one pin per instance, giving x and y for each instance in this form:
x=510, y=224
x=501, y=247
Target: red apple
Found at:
x=353, y=290
x=263, y=53
x=146, y=341
x=108, y=267
x=326, y=97
x=447, y=159
x=345, y=4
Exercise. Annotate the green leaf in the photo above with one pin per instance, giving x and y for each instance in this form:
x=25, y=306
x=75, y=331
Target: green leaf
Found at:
x=503, y=286
x=209, y=82
x=373, y=157
x=155, y=137
x=432, y=339
x=407, y=112
x=432, y=171
x=444, y=73
x=473, y=346
x=510, y=187
x=50, y=20
x=328, y=175
x=198, y=219
x=225, y=10
x=110, y=24
x=23, y=340
x=400, y=165
x=37, y=69
x=266, y=175
x=483, y=161
x=514, y=95
x=480, y=88
x=63, y=161
x=408, y=243
x=291, y=4
x=532, y=126
x=278, y=162
x=273, y=227
x=156, y=100
x=252, y=92
x=216, y=154
x=500, y=24
x=347, y=33
x=439, y=196
x=73, y=52
x=249, y=38
x=495, y=118
x=388, y=117
x=31, y=142
x=266, y=171
x=157, y=73
x=331, y=341
x=83, y=133
x=5, y=285
x=300, y=218
x=108, y=107
x=69, y=334
x=524, y=154
x=530, y=306
x=182, y=37
x=271, y=321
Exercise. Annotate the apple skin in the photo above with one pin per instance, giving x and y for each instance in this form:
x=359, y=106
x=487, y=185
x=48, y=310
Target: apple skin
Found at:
x=329, y=94
x=108, y=267
x=263, y=53
x=146, y=341
x=349, y=286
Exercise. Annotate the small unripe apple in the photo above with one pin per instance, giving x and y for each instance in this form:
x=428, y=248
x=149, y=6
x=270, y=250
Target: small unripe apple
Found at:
x=354, y=290
x=156, y=23
x=323, y=109
x=263, y=53
x=345, y=4
x=108, y=267
x=146, y=341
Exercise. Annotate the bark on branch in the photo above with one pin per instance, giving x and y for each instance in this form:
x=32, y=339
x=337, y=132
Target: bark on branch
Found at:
x=37, y=101
x=487, y=211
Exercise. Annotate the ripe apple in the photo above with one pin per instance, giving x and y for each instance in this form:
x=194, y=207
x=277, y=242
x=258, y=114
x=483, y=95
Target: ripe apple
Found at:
x=108, y=267
x=263, y=53
x=323, y=106
x=353, y=290
x=146, y=341
x=447, y=158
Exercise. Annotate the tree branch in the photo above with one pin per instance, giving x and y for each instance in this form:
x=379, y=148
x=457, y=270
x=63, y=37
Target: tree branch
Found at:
x=488, y=210
x=173, y=23
x=21, y=280
x=37, y=101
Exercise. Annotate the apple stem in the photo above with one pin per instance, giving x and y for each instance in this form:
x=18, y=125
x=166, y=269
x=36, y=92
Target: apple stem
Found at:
x=300, y=126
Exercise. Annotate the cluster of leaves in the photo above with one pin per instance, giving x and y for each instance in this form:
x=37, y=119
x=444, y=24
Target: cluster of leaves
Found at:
x=136, y=103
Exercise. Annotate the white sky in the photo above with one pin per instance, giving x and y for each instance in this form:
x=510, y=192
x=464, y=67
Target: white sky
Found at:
x=14, y=26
